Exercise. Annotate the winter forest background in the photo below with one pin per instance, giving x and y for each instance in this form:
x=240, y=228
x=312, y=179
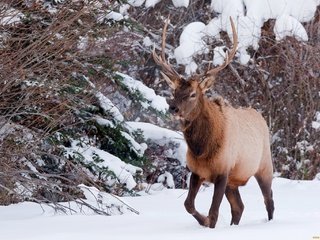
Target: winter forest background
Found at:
x=82, y=104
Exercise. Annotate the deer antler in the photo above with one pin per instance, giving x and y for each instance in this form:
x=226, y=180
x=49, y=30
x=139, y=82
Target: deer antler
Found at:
x=167, y=69
x=230, y=56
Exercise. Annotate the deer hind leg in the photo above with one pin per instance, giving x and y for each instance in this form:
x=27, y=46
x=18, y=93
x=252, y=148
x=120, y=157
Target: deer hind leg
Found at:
x=265, y=186
x=195, y=183
x=234, y=198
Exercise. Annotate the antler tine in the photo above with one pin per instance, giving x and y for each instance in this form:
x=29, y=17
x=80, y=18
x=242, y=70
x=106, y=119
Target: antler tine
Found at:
x=164, y=37
x=230, y=55
x=161, y=60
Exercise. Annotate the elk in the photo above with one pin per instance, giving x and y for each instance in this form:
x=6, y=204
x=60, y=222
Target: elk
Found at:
x=226, y=145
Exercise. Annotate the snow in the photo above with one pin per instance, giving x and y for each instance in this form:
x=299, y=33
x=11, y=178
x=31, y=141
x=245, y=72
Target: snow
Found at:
x=10, y=16
x=147, y=42
x=316, y=123
x=104, y=122
x=289, y=26
x=136, y=3
x=219, y=55
x=6, y=128
x=151, y=3
x=123, y=9
x=138, y=148
x=213, y=28
x=191, y=43
x=123, y=171
x=180, y=3
x=108, y=107
x=155, y=101
x=162, y=136
x=302, y=10
x=166, y=179
x=102, y=200
x=112, y=15
x=162, y=216
x=249, y=16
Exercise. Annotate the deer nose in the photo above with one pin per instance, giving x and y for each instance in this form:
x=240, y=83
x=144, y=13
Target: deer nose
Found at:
x=173, y=109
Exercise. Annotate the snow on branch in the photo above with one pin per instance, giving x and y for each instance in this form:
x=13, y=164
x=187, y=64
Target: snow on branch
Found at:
x=153, y=100
x=152, y=3
x=108, y=107
x=249, y=17
x=124, y=172
x=162, y=136
x=289, y=26
x=10, y=16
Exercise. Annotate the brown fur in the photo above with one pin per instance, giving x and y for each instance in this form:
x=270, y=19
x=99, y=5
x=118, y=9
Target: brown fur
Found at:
x=226, y=146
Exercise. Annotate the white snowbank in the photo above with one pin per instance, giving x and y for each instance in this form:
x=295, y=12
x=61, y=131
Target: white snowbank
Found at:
x=289, y=26
x=249, y=16
x=191, y=43
x=213, y=28
x=155, y=101
x=219, y=55
x=317, y=177
x=151, y=3
x=163, y=216
x=166, y=179
x=123, y=171
x=302, y=10
x=180, y=3
x=162, y=136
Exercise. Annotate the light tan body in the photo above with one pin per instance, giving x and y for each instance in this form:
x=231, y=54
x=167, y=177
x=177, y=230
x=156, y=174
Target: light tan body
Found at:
x=245, y=148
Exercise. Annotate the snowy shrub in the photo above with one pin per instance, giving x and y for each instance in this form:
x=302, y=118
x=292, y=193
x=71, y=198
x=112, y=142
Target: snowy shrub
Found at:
x=52, y=100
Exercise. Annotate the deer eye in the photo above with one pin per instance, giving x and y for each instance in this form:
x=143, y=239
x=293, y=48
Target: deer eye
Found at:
x=193, y=95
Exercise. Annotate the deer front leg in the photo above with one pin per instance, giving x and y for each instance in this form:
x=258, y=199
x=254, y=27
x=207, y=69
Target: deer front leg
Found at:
x=219, y=190
x=195, y=183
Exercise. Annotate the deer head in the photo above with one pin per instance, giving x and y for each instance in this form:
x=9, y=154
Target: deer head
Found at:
x=188, y=93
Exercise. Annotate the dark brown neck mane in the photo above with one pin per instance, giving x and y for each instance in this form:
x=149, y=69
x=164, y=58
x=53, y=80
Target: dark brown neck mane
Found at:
x=204, y=131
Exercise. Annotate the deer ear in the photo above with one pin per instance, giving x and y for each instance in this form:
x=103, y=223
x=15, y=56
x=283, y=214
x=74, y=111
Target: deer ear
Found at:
x=206, y=83
x=173, y=83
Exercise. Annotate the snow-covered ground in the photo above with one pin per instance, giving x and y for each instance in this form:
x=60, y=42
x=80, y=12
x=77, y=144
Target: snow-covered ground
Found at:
x=162, y=216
